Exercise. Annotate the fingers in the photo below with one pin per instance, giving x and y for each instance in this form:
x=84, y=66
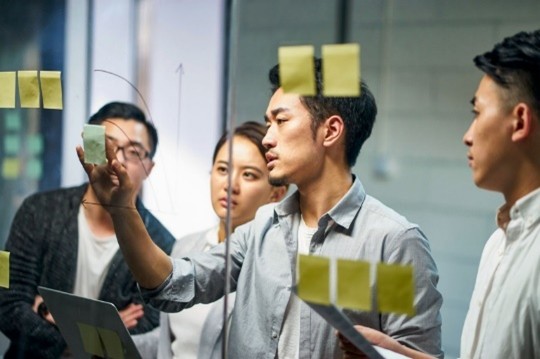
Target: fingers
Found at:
x=88, y=167
x=131, y=314
x=37, y=301
x=110, y=150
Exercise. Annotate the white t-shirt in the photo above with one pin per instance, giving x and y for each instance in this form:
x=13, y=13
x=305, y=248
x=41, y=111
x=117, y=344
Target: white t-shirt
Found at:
x=93, y=259
x=289, y=340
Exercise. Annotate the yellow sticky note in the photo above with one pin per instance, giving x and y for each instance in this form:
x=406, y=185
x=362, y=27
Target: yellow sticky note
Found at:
x=341, y=70
x=314, y=279
x=395, y=289
x=112, y=343
x=4, y=269
x=353, y=289
x=94, y=144
x=90, y=339
x=11, y=168
x=51, y=89
x=28, y=89
x=7, y=89
x=297, y=70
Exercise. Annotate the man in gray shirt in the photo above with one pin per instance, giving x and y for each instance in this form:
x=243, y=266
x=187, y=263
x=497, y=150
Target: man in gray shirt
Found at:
x=312, y=142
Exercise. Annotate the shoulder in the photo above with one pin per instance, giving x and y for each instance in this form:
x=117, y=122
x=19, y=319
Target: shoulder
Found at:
x=194, y=242
x=53, y=201
x=373, y=209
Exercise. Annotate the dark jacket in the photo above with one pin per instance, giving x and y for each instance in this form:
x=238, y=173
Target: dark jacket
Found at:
x=43, y=245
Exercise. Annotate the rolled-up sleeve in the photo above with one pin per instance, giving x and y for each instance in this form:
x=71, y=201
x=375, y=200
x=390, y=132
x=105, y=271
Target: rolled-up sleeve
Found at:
x=176, y=291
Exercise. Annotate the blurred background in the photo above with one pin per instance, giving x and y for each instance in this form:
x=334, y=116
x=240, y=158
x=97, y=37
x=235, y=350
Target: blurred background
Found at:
x=172, y=58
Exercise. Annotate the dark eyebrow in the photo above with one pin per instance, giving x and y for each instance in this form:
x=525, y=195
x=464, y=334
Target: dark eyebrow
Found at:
x=130, y=143
x=275, y=112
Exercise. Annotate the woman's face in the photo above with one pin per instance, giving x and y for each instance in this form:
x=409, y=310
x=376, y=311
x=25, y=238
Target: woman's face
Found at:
x=249, y=181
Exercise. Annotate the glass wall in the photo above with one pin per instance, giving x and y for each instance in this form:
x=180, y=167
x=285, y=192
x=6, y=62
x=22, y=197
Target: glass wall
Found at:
x=31, y=38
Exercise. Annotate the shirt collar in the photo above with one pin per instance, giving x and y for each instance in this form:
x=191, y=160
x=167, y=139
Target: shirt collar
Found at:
x=526, y=208
x=343, y=213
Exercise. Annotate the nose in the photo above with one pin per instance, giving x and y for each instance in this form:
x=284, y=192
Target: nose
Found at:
x=468, y=136
x=235, y=183
x=268, y=140
x=120, y=155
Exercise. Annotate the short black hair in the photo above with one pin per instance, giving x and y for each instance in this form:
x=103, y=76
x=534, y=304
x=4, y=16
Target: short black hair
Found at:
x=358, y=113
x=251, y=130
x=514, y=64
x=126, y=111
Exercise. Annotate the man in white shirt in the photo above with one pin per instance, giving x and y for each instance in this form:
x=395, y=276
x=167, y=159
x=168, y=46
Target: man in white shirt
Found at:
x=504, y=155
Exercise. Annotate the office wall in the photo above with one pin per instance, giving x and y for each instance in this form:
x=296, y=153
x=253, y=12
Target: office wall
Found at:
x=417, y=59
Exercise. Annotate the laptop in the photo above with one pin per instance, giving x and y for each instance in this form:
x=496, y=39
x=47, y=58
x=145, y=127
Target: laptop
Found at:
x=91, y=328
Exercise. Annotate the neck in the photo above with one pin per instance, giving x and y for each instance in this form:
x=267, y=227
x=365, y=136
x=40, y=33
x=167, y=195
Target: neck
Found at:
x=99, y=220
x=222, y=231
x=319, y=196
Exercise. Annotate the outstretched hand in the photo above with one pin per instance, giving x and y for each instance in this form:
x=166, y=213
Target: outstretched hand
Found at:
x=110, y=182
x=379, y=339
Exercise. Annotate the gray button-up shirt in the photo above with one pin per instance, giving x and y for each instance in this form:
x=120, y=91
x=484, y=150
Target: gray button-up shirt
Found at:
x=263, y=254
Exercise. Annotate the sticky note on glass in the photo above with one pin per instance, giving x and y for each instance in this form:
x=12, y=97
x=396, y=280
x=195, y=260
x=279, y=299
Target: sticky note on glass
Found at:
x=353, y=289
x=297, y=70
x=314, y=279
x=341, y=70
x=51, y=89
x=94, y=144
x=12, y=144
x=13, y=121
x=11, y=168
x=111, y=341
x=34, y=169
x=395, y=289
x=4, y=269
x=7, y=89
x=34, y=144
x=28, y=89
x=90, y=339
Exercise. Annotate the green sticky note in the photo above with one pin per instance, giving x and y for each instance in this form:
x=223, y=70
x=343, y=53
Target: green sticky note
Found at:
x=4, y=269
x=395, y=289
x=90, y=339
x=12, y=144
x=112, y=343
x=314, y=279
x=353, y=289
x=341, y=70
x=7, y=89
x=297, y=70
x=11, y=168
x=94, y=144
x=28, y=89
x=34, y=168
x=13, y=121
x=34, y=144
x=51, y=89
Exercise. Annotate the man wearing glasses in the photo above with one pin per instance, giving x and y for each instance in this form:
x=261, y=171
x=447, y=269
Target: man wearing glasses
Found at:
x=65, y=240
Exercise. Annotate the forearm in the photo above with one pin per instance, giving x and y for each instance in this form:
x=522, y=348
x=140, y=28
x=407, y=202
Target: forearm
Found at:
x=148, y=263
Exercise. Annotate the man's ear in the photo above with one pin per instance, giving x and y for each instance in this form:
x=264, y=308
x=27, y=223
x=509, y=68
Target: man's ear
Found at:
x=278, y=193
x=524, y=122
x=149, y=167
x=334, y=129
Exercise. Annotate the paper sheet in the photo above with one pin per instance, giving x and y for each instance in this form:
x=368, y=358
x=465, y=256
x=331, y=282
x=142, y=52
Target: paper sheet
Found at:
x=341, y=70
x=28, y=89
x=7, y=89
x=296, y=70
x=94, y=144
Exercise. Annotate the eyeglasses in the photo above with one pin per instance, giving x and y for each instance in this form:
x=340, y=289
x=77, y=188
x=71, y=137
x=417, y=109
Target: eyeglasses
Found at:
x=133, y=152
